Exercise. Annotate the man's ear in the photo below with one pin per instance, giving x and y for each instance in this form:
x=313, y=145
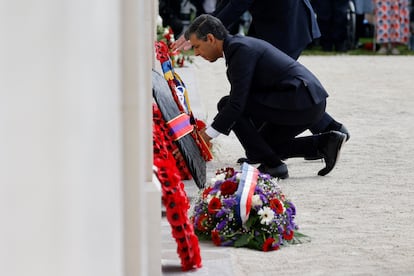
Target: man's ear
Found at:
x=211, y=38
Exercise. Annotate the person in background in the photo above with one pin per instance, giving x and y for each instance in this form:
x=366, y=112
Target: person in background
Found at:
x=203, y=6
x=272, y=99
x=332, y=21
x=290, y=26
x=362, y=7
x=392, y=25
x=170, y=10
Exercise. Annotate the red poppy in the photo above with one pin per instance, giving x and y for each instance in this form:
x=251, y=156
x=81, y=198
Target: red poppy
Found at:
x=268, y=244
x=288, y=234
x=215, y=237
x=207, y=191
x=179, y=231
x=202, y=223
x=229, y=172
x=228, y=187
x=196, y=251
x=276, y=205
x=175, y=217
x=214, y=205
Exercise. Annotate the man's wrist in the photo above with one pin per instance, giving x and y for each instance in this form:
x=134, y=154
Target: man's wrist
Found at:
x=210, y=131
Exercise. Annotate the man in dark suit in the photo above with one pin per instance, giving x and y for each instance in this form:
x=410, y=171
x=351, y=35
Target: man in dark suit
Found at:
x=273, y=98
x=288, y=25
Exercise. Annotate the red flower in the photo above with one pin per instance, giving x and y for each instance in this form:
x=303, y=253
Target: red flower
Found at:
x=196, y=251
x=200, y=124
x=228, y=187
x=176, y=217
x=276, y=205
x=202, y=222
x=207, y=191
x=288, y=234
x=228, y=171
x=215, y=237
x=268, y=244
x=179, y=231
x=214, y=205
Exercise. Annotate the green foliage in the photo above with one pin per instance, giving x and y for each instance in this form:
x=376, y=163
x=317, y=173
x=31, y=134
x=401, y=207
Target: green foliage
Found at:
x=365, y=47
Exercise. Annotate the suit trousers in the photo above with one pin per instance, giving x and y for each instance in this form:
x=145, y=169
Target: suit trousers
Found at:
x=269, y=135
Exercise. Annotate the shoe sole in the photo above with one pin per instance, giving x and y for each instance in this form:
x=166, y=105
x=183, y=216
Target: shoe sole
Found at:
x=283, y=176
x=338, y=150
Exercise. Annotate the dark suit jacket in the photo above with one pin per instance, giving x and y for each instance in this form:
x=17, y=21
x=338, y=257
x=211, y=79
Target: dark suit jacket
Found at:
x=290, y=25
x=259, y=72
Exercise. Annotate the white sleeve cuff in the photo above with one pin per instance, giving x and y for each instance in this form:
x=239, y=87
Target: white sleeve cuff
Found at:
x=210, y=131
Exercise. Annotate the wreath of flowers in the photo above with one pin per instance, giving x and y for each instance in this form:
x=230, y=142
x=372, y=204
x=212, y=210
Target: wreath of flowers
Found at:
x=174, y=81
x=166, y=35
x=174, y=196
x=270, y=223
x=162, y=134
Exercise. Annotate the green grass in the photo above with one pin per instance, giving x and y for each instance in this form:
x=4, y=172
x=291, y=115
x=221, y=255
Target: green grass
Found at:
x=365, y=48
x=360, y=51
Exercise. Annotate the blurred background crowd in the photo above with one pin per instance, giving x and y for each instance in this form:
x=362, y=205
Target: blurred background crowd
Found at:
x=382, y=26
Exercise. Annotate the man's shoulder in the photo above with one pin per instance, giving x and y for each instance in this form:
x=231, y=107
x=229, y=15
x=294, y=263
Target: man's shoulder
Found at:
x=237, y=41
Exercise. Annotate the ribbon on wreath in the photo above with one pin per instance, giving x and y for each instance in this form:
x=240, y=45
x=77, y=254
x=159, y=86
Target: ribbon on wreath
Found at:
x=180, y=95
x=180, y=126
x=245, y=192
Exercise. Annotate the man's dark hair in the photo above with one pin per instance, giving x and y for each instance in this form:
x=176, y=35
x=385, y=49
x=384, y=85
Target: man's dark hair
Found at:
x=206, y=24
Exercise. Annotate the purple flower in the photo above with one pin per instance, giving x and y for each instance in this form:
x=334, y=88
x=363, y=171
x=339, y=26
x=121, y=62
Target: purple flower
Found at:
x=229, y=202
x=222, y=212
x=264, y=176
x=264, y=198
x=292, y=207
x=221, y=225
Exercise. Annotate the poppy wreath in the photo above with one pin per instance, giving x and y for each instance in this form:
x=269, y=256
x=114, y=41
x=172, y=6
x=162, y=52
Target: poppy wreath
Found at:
x=180, y=95
x=162, y=134
x=174, y=197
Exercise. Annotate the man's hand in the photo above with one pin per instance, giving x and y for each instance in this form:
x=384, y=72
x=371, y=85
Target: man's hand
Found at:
x=205, y=137
x=181, y=44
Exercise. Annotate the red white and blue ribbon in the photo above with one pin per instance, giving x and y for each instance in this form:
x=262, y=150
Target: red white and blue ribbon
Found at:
x=245, y=192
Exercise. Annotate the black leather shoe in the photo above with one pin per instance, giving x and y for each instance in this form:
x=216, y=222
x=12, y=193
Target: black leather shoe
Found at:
x=320, y=156
x=345, y=131
x=312, y=158
x=280, y=171
x=242, y=160
x=331, y=150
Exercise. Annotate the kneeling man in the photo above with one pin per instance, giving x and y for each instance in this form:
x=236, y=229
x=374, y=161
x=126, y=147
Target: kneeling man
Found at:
x=273, y=98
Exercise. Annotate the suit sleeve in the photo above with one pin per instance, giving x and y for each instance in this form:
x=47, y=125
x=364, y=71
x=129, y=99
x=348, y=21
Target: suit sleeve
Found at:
x=229, y=11
x=241, y=67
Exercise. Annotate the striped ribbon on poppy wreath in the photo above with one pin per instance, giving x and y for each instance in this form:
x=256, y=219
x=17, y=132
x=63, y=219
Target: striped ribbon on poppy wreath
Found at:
x=245, y=192
x=180, y=126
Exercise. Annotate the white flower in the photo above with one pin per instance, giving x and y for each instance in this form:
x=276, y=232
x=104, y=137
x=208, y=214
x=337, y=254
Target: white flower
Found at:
x=266, y=215
x=159, y=21
x=218, y=177
x=256, y=201
x=221, y=176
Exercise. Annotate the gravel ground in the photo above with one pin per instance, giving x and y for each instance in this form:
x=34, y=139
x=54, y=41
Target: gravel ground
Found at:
x=360, y=217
